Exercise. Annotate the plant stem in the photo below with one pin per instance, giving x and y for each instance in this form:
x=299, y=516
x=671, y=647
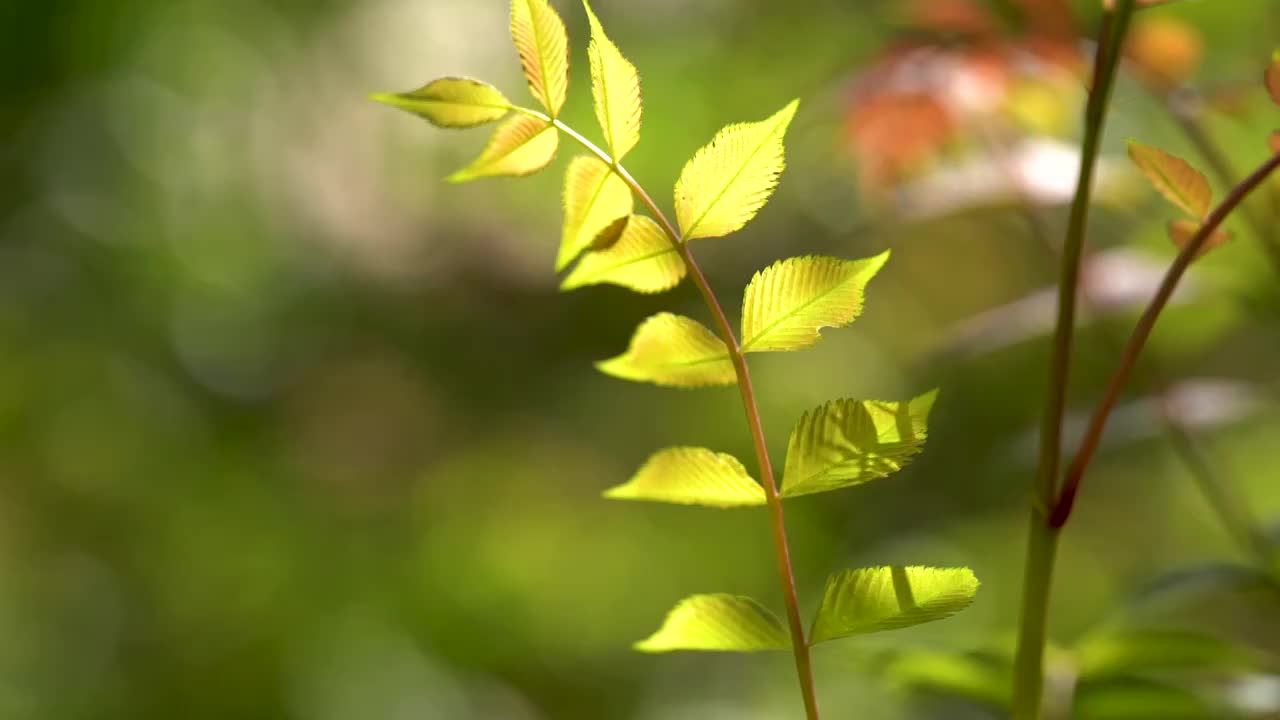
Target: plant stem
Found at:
x=1141, y=332
x=1042, y=541
x=800, y=647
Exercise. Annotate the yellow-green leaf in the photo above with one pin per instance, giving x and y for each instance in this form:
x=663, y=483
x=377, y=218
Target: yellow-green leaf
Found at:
x=727, y=182
x=594, y=198
x=692, y=476
x=615, y=85
x=1182, y=231
x=724, y=623
x=642, y=260
x=451, y=102
x=1174, y=177
x=849, y=442
x=887, y=598
x=673, y=350
x=788, y=302
x=520, y=146
x=543, y=46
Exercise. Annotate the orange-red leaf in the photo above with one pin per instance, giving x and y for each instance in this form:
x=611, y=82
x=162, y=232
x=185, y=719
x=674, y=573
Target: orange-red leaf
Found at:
x=1174, y=177
x=1181, y=232
x=1272, y=78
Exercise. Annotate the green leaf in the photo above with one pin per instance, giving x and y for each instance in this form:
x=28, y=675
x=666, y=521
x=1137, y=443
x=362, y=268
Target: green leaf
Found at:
x=692, y=476
x=642, y=260
x=520, y=146
x=673, y=350
x=1181, y=184
x=953, y=674
x=615, y=85
x=1181, y=232
x=849, y=442
x=888, y=598
x=543, y=46
x=1142, y=699
x=594, y=199
x=726, y=623
x=1145, y=650
x=451, y=102
x=788, y=302
x=727, y=182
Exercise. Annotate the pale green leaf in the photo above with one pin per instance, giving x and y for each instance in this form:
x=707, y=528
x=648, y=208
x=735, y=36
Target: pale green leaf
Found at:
x=849, y=442
x=543, y=46
x=727, y=182
x=519, y=146
x=594, y=199
x=451, y=102
x=642, y=260
x=1182, y=231
x=788, y=302
x=725, y=623
x=673, y=350
x=615, y=85
x=887, y=598
x=1181, y=184
x=692, y=476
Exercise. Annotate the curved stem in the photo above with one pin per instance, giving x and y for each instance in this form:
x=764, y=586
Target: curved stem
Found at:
x=800, y=647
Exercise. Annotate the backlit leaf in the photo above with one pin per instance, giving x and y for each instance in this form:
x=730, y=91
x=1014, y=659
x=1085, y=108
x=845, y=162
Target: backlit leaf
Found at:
x=692, y=476
x=615, y=85
x=642, y=259
x=726, y=623
x=594, y=198
x=1271, y=78
x=727, y=182
x=849, y=442
x=887, y=598
x=543, y=46
x=1174, y=177
x=673, y=350
x=451, y=102
x=787, y=303
x=1181, y=232
x=520, y=146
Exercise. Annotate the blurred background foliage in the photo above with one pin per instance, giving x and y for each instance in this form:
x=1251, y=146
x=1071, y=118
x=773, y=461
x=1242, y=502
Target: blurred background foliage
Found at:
x=291, y=429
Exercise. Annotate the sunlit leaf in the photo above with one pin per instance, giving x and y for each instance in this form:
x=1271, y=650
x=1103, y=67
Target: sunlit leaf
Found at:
x=1142, y=699
x=543, y=46
x=520, y=146
x=727, y=623
x=952, y=674
x=727, y=182
x=642, y=259
x=849, y=442
x=1181, y=232
x=673, y=350
x=787, y=303
x=594, y=199
x=692, y=476
x=887, y=598
x=1174, y=177
x=1145, y=650
x=615, y=85
x=451, y=102
x=1271, y=78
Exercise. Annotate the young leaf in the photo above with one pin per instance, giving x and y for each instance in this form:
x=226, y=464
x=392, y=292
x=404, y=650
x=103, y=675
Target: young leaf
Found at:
x=887, y=598
x=1174, y=177
x=673, y=350
x=787, y=303
x=1271, y=78
x=727, y=182
x=692, y=476
x=1181, y=232
x=642, y=260
x=451, y=102
x=520, y=146
x=726, y=623
x=615, y=85
x=849, y=442
x=543, y=46
x=594, y=199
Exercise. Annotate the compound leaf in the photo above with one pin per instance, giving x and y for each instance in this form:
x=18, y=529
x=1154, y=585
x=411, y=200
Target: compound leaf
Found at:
x=788, y=302
x=692, y=476
x=1174, y=177
x=451, y=102
x=849, y=442
x=673, y=350
x=725, y=623
x=520, y=146
x=594, y=199
x=1182, y=231
x=727, y=182
x=887, y=598
x=543, y=46
x=615, y=86
x=642, y=260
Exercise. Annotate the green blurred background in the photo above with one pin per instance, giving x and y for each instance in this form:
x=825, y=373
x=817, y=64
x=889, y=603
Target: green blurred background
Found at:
x=289, y=428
